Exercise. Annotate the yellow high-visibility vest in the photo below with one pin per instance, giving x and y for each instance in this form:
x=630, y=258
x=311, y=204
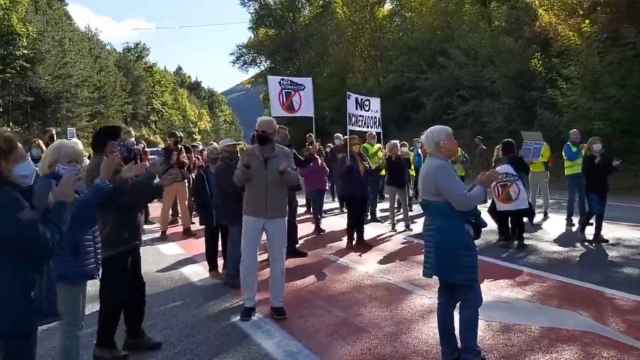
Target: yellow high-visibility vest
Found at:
x=375, y=155
x=538, y=166
x=458, y=163
x=572, y=167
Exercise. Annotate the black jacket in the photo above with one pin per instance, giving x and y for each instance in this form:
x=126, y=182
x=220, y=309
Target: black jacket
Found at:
x=352, y=182
x=398, y=171
x=596, y=174
x=231, y=195
x=26, y=246
x=204, y=196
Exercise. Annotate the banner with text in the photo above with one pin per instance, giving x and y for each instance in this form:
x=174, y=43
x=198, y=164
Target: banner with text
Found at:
x=291, y=96
x=363, y=113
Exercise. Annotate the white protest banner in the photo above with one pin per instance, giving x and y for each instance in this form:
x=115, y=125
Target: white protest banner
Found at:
x=363, y=113
x=291, y=96
x=532, y=145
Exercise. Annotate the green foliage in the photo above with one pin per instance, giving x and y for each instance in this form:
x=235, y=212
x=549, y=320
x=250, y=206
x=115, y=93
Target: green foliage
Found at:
x=484, y=67
x=54, y=74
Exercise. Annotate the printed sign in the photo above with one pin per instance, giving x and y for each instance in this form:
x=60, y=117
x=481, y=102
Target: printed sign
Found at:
x=290, y=96
x=532, y=145
x=363, y=113
x=71, y=133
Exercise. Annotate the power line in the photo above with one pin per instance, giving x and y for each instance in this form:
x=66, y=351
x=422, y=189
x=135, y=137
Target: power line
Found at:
x=186, y=27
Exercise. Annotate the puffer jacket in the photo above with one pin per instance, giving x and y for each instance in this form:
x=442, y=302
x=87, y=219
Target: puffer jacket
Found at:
x=26, y=246
x=77, y=256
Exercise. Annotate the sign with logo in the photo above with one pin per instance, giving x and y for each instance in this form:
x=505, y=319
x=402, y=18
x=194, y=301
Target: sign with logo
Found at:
x=290, y=96
x=508, y=191
x=363, y=113
x=532, y=145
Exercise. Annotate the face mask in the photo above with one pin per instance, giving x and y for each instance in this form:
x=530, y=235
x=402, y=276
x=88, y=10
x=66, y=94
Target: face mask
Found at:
x=263, y=139
x=36, y=154
x=404, y=149
x=596, y=147
x=68, y=170
x=338, y=142
x=24, y=173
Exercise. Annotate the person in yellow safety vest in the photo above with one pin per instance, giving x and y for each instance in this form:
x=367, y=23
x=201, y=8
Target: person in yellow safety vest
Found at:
x=374, y=152
x=539, y=179
x=572, y=154
x=459, y=164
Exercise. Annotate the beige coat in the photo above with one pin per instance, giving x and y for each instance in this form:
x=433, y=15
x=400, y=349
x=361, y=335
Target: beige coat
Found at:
x=266, y=183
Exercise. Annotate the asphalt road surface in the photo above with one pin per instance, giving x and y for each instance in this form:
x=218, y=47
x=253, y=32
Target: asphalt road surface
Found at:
x=558, y=299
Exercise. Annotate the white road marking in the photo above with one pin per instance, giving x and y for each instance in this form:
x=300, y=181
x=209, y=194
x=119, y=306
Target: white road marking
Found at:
x=171, y=249
x=197, y=274
x=277, y=342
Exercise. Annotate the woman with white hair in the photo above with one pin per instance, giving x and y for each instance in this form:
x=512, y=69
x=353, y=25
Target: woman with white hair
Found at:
x=451, y=224
x=78, y=255
x=398, y=179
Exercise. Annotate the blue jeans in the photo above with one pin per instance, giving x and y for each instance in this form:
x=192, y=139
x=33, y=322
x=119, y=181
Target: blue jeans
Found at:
x=597, y=206
x=470, y=299
x=576, y=187
x=373, y=184
x=317, y=204
x=234, y=244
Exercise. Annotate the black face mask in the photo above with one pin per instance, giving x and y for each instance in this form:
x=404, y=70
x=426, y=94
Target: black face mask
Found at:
x=263, y=139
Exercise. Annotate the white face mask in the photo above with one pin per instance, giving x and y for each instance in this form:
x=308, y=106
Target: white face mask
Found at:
x=36, y=154
x=24, y=174
x=596, y=147
x=338, y=142
x=68, y=170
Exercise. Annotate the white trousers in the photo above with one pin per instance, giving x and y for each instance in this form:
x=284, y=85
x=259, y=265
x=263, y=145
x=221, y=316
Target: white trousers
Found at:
x=539, y=181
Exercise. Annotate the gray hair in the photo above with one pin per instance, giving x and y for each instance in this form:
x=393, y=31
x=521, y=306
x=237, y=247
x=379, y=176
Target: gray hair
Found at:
x=338, y=136
x=393, y=144
x=434, y=136
x=266, y=119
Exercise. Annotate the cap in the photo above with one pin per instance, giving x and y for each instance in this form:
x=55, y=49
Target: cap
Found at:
x=228, y=142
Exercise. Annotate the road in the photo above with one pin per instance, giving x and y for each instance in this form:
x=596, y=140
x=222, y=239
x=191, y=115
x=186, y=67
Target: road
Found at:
x=556, y=300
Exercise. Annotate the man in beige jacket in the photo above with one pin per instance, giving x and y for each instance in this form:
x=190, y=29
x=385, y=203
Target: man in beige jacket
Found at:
x=267, y=171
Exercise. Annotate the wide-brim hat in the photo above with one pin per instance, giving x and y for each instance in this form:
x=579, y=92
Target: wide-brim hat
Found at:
x=228, y=142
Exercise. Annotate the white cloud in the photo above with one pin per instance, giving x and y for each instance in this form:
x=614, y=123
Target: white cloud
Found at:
x=110, y=30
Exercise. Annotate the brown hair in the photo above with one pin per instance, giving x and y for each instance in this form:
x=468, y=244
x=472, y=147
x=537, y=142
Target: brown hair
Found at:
x=8, y=146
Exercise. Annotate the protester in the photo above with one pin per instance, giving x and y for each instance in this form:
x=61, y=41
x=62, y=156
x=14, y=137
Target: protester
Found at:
x=48, y=136
x=37, y=149
x=374, y=154
x=397, y=183
x=229, y=209
x=27, y=246
x=539, y=179
x=122, y=286
x=293, y=251
x=145, y=158
x=510, y=203
x=207, y=200
x=77, y=256
x=173, y=175
x=450, y=253
x=267, y=172
x=409, y=157
x=597, y=168
x=460, y=163
x=572, y=155
x=315, y=183
x=418, y=159
x=354, y=173
x=333, y=160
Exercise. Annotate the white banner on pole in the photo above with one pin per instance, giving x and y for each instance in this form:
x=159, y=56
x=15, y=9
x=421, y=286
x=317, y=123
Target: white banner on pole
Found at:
x=291, y=96
x=363, y=113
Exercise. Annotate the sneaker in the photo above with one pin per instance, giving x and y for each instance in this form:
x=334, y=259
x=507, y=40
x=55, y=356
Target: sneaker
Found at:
x=278, y=313
x=143, y=343
x=247, y=313
x=173, y=221
x=187, y=232
x=215, y=275
x=296, y=254
x=546, y=215
x=100, y=353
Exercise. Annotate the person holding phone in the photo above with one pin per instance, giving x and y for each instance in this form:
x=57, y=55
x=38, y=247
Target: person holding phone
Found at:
x=597, y=167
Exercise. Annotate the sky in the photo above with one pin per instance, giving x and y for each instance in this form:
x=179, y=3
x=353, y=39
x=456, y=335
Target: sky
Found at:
x=203, y=52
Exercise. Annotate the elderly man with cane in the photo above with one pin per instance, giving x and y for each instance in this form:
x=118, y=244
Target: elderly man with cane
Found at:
x=451, y=224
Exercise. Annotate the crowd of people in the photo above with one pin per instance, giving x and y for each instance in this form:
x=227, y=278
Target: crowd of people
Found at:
x=71, y=216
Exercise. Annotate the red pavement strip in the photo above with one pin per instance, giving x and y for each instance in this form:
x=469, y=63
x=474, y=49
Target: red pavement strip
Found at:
x=376, y=305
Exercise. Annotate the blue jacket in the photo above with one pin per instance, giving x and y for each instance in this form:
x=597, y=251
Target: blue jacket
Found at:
x=26, y=246
x=449, y=250
x=78, y=255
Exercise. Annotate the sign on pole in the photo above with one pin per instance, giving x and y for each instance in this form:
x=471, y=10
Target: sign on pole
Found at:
x=71, y=133
x=290, y=96
x=532, y=145
x=363, y=113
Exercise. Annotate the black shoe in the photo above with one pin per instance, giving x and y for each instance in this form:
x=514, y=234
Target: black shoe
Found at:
x=143, y=343
x=100, y=353
x=149, y=222
x=247, y=313
x=546, y=215
x=521, y=246
x=375, y=219
x=296, y=254
x=278, y=313
x=163, y=236
x=570, y=223
x=598, y=239
x=174, y=221
x=187, y=232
